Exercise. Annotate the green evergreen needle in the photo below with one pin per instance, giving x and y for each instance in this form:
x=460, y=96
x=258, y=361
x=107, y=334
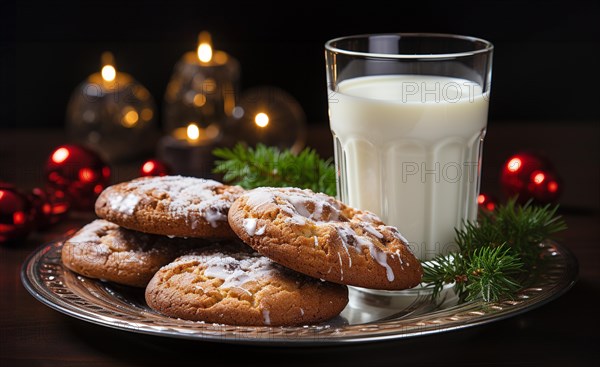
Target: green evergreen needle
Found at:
x=268, y=166
x=494, y=251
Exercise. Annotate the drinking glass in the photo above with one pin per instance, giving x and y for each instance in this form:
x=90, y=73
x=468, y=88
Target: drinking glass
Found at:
x=408, y=113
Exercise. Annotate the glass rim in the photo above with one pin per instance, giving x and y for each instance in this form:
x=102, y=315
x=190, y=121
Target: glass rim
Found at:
x=487, y=46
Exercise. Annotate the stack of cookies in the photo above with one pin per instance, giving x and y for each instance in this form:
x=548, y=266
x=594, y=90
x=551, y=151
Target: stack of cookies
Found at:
x=217, y=253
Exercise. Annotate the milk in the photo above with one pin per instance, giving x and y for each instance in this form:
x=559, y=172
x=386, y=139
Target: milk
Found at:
x=408, y=148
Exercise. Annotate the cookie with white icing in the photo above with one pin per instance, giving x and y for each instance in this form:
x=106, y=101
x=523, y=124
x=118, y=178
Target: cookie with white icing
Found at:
x=170, y=205
x=237, y=286
x=319, y=236
x=103, y=250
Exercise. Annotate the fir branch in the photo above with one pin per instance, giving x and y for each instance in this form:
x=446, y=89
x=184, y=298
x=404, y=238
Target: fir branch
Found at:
x=268, y=166
x=492, y=273
x=443, y=270
x=522, y=228
x=494, y=251
x=525, y=227
x=488, y=273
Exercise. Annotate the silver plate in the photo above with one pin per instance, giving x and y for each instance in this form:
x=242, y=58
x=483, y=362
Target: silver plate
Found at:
x=369, y=316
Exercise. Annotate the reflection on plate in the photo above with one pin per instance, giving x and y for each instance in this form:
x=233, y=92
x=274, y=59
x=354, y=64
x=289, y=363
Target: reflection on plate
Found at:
x=369, y=316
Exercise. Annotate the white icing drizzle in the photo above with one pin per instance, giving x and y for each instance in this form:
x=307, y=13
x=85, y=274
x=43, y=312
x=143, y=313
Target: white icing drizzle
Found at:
x=396, y=234
x=250, y=226
x=341, y=267
x=296, y=220
x=316, y=241
x=399, y=256
x=317, y=214
x=261, y=230
x=295, y=203
x=301, y=311
x=266, y=316
x=381, y=258
x=343, y=234
x=351, y=238
x=367, y=216
x=124, y=204
x=299, y=203
x=258, y=198
x=245, y=290
x=212, y=216
x=190, y=197
x=234, y=269
x=369, y=228
x=348, y=253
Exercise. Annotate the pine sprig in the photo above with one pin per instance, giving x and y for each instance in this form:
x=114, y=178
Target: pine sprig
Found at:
x=268, y=166
x=521, y=227
x=525, y=227
x=488, y=273
x=494, y=251
x=492, y=272
x=444, y=270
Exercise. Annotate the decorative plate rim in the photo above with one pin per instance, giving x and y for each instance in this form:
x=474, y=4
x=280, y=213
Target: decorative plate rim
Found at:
x=44, y=277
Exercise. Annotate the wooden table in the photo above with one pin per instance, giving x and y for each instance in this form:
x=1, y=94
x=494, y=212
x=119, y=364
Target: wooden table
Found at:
x=563, y=332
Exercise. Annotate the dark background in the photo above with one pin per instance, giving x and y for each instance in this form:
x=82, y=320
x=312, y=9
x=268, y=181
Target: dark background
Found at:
x=545, y=63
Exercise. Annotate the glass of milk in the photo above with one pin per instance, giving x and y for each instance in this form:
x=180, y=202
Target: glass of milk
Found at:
x=408, y=113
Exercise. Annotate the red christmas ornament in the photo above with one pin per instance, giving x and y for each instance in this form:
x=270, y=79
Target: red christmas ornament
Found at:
x=530, y=176
x=545, y=187
x=15, y=214
x=49, y=206
x=154, y=167
x=487, y=202
x=78, y=172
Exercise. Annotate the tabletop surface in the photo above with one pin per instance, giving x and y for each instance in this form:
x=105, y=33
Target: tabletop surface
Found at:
x=562, y=332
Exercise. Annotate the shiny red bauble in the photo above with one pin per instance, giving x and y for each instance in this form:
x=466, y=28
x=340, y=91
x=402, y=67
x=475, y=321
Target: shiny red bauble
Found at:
x=49, y=206
x=16, y=219
x=155, y=167
x=79, y=173
x=545, y=186
x=530, y=176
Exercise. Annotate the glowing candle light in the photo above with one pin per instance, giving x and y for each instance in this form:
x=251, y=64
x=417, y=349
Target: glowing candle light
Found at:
x=188, y=149
x=204, y=87
x=261, y=119
x=204, y=47
x=271, y=116
x=112, y=113
x=199, y=102
x=108, y=72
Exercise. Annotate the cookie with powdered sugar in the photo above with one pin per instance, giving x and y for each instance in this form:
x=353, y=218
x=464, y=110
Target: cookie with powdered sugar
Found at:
x=171, y=206
x=319, y=236
x=103, y=250
x=234, y=285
